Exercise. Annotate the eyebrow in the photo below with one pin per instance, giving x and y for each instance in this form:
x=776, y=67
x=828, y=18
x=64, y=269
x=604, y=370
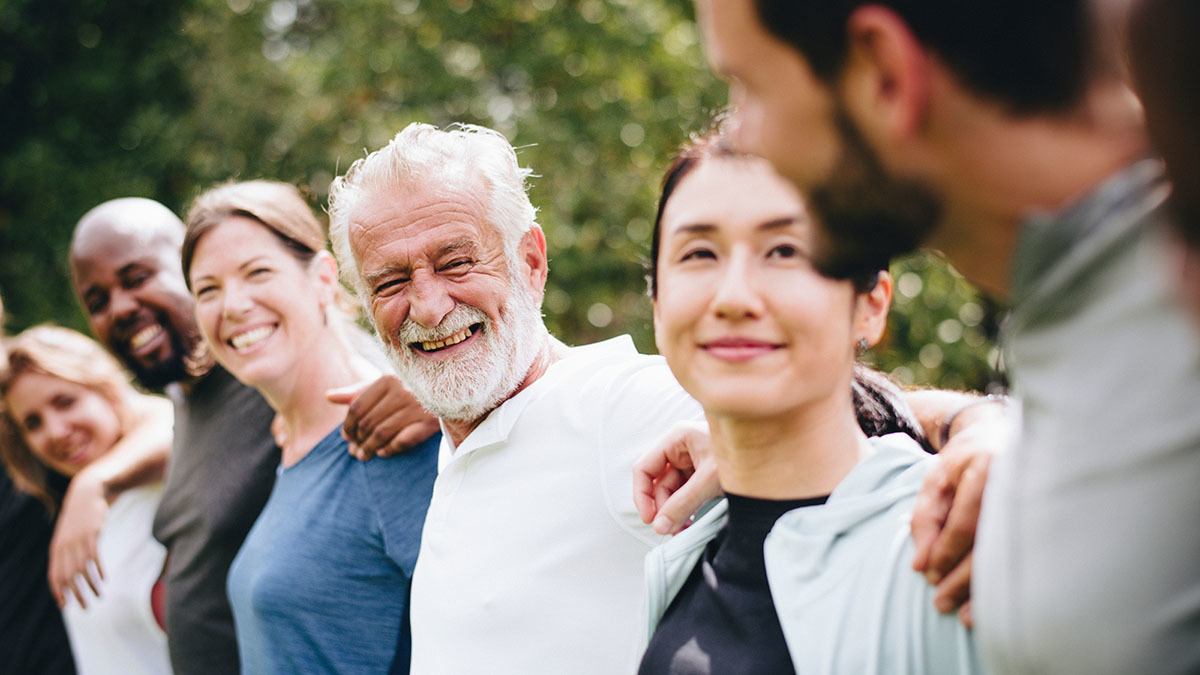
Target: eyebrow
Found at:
x=708, y=228
x=455, y=246
x=241, y=267
x=131, y=265
x=121, y=271
x=391, y=269
x=251, y=262
x=388, y=270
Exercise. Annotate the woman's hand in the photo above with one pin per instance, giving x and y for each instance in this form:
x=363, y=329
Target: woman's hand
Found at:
x=675, y=478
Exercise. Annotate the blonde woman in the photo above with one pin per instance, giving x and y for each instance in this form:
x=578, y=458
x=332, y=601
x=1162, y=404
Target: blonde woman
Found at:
x=66, y=404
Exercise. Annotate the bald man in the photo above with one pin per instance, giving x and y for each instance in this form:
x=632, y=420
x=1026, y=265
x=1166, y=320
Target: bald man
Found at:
x=125, y=264
x=126, y=271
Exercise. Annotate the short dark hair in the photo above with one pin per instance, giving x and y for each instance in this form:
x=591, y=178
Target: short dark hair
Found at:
x=1032, y=56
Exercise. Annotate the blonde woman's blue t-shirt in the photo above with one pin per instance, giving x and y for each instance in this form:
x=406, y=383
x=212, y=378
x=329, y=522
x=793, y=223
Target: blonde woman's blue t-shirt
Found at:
x=321, y=583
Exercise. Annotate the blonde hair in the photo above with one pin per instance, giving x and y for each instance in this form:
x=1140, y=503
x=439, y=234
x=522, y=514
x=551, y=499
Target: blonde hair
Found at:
x=69, y=356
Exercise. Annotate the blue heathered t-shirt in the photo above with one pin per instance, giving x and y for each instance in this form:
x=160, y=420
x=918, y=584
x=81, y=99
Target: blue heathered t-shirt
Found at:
x=321, y=583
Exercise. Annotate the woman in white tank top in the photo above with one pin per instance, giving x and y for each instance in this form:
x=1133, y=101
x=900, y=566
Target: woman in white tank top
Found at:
x=66, y=402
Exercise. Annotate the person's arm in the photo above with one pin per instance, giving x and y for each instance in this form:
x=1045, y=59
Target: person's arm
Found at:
x=966, y=430
x=139, y=458
x=383, y=418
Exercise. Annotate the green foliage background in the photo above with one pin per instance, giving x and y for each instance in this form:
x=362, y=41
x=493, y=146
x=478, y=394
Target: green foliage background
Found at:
x=162, y=98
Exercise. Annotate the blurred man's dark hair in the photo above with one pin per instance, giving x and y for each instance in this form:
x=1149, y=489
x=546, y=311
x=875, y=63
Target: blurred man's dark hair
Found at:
x=1033, y=56
x=1163, y=49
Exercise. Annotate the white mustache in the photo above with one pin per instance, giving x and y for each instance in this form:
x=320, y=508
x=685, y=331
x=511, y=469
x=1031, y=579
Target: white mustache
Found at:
x=459, y=318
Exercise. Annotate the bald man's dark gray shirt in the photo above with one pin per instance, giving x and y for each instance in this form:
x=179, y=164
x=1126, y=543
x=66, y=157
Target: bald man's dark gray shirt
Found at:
x=222, y=470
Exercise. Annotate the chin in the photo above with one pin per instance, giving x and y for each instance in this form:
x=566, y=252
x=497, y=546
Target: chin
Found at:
x=254, y=374
x=742, y=402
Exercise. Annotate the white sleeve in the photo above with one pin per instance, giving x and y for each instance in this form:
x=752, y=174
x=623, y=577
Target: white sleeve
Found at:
x=640, y=404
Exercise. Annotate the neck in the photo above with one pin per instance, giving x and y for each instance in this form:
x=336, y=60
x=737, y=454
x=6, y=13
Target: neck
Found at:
x=552, y=350
x=299, y=399
x=793, y=455
x=1036, y=164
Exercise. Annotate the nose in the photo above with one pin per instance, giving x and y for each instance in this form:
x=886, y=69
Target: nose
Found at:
x=737, y=295
x=122, y=305
x=235, y=301
x=56, y=428
x=428, y=301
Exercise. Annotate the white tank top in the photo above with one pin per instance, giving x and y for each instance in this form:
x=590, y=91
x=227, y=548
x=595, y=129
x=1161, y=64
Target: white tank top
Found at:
x=117, y=633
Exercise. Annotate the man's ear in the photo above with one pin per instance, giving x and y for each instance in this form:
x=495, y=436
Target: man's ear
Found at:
x=885, y=82
x=871, y=310
x=533, y=253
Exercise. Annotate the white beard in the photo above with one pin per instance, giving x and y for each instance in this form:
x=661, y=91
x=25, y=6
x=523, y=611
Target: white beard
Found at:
x=472, y=384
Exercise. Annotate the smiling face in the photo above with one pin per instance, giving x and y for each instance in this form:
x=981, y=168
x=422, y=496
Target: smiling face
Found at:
x=66, y=425
x=458, y=316
x=261, y=310
x=128, y=278
x=747, y=325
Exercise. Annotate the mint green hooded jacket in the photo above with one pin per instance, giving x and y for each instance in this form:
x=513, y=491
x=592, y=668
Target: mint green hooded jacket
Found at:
x=841, y=575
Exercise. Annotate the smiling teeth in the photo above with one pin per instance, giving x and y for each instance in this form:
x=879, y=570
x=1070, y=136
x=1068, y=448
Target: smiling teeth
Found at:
x=251, y=337
x=144, y=336
x=450, y=341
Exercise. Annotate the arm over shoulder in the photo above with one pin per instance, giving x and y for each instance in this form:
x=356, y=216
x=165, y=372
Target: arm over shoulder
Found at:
x=639, y=403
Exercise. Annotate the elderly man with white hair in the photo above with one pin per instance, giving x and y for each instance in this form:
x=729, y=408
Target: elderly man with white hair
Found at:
x=532, y=551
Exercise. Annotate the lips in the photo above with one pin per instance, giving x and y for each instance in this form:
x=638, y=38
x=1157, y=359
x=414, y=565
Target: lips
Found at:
x=74, y=451
x=738, y=349
x=146, y=340
x=430, y=346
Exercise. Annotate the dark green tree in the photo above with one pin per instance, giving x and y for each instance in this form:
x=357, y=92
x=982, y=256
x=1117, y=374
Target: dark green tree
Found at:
x=162, y=99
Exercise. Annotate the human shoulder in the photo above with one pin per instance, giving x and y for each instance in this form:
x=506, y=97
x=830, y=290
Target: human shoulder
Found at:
x=844, y=570
x=413, y=463
x=624, y=401
x=613, y=372
x=398, y=490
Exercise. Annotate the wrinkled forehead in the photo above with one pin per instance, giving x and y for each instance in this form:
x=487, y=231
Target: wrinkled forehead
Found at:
x=420, y=210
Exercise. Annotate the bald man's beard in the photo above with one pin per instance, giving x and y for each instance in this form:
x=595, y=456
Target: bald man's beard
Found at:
x=866, y=216
x=189, y=358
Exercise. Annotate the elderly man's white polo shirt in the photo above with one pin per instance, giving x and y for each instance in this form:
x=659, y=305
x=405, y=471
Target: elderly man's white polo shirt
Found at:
x=532, y=555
